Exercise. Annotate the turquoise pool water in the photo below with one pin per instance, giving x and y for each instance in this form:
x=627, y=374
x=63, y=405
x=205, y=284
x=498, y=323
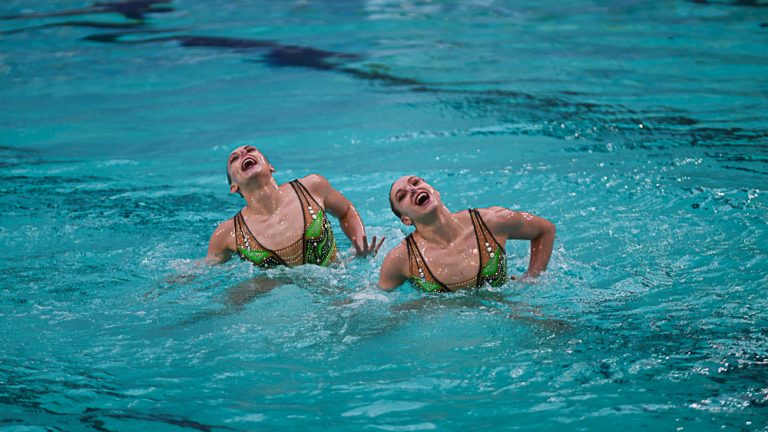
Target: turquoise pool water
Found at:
x=638, y=128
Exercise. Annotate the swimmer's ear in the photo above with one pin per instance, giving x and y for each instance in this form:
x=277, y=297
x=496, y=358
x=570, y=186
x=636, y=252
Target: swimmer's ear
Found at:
x=233, y=188
x=272, y=168
x=406, y=220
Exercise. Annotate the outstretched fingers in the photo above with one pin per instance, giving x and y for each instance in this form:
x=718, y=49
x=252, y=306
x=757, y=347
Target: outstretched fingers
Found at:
x=381, y=242
x=366, y=248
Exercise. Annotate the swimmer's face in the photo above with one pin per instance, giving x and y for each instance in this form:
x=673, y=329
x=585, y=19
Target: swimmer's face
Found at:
x=412, y=197
x=246, y=162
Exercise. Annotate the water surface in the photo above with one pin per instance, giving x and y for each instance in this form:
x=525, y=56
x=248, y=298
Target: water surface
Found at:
x=639, y=129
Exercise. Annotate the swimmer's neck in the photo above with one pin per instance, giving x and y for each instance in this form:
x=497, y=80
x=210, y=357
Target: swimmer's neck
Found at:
x=440, y=228
x=263, y=199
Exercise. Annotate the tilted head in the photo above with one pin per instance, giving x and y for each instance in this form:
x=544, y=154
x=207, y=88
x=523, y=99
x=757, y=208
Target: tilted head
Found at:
x=410, y=198
x=246, y=164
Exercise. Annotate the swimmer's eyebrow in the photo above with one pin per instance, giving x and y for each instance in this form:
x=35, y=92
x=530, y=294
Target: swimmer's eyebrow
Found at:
x=236, y=155
x=398, y=195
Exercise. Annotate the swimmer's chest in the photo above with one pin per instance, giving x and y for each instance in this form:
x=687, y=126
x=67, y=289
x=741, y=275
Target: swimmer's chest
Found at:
x=456, y=263
x=281, y=229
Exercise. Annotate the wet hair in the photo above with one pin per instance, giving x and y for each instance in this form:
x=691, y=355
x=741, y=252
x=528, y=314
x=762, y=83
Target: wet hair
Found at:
x=392, y=203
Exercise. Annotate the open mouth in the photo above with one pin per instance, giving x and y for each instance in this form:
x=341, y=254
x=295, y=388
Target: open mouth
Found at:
x=247, y=164
x=421, y=198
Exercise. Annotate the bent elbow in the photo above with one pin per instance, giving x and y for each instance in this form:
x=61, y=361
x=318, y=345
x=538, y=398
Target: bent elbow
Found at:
x=386, y=285
x=546, y=230
x=551, y=228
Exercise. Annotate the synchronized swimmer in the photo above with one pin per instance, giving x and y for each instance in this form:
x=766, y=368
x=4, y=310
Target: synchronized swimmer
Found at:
x=283, y=224
x=452, y=251
x=288, y=225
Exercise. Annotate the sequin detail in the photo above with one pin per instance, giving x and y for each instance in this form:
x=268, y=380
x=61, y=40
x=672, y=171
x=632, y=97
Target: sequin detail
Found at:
x=493, y=262
x=316, y=246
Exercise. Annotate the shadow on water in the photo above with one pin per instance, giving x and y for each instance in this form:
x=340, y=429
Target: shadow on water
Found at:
x=588, y=119
x=236, y=298
x=85, y=24
x=131, y=9
x=94, y=418
x=276, y=54
x=746, y=3
x=559, y=116
x=483, y=301
x=134, y=10
x=25, y=387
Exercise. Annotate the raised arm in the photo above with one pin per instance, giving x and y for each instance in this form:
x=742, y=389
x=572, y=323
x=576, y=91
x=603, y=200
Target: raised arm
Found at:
x=340, y=207
x=222, y=243
x=394, y=269
x=524, y=226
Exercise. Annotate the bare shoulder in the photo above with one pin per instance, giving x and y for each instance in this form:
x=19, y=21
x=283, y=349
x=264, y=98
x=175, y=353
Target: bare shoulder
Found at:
x=226, y=226
x=223, y=236
x=398, y=254
x=396, y=261
x=222, y=243
x=394, y=269
x=315, y=183
x=515, y=224
x=495, y=214
x=499, y=219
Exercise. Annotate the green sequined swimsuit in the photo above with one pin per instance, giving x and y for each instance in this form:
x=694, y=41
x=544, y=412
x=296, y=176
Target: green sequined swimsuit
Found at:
x=316, y=246
x=492, y=269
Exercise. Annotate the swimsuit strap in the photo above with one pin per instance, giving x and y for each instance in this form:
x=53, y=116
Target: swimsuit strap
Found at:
x=428, y=282
x=305, y=191
x=484, y=257
x=244, y=239
x=302, y=193
x=307, y=195
x=243, y=235
x=307, y=212
x=486, y=231
x=493, y=264
x=319, y=244
x=417, y=264
x=413, y=260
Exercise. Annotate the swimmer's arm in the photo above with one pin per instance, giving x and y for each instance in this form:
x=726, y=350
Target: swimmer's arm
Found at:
x=394, y=269
x=349, y=219
x=220, y=249
x=525, y=226
x=221, y=244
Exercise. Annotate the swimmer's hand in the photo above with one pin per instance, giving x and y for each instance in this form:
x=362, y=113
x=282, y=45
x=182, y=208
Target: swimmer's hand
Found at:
x=367, y=249
x=525, y=278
